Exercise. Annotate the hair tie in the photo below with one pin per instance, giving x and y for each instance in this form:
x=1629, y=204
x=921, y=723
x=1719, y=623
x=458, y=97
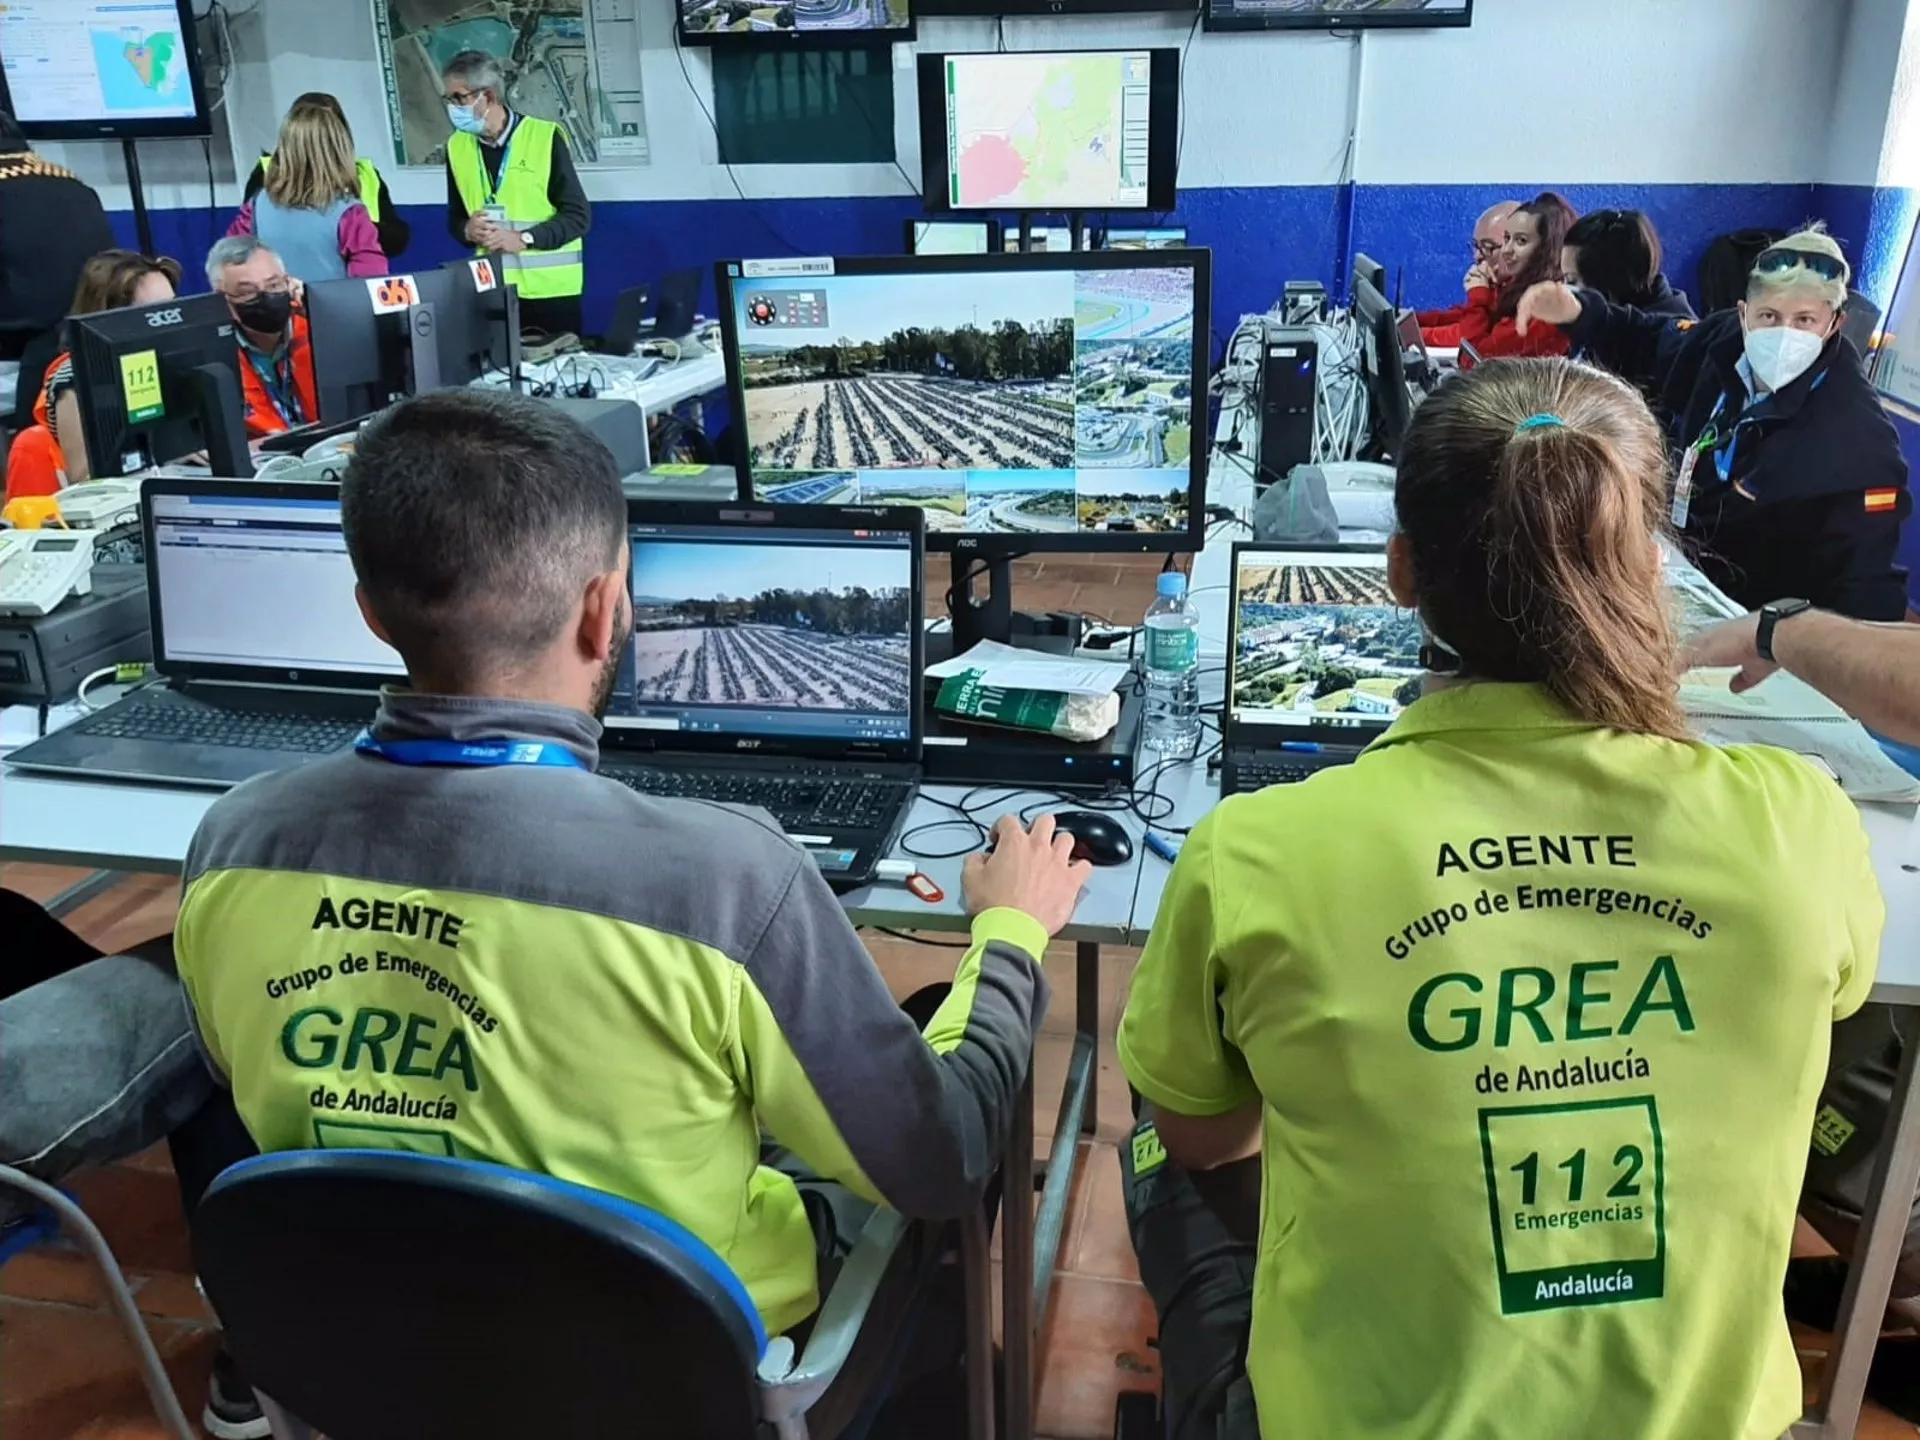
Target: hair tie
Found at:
x=1540, y=422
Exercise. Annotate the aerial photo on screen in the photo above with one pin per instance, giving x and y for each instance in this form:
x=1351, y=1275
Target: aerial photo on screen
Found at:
x=1315, y=641
x=1021, y=502
x=1133, y=388
x=806, y=627
x=565, y=60
x=746, y=17
x=1154, y=502
x=981, y=379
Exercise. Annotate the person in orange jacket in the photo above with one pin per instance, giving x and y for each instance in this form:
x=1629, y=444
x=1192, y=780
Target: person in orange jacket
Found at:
x=276, y=356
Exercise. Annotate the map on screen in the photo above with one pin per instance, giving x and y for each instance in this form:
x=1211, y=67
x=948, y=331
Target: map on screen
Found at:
x=88, y=60
x=1048, y=131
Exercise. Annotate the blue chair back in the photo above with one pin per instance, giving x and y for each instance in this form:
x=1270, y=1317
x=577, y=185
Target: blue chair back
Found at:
x=381, y=1295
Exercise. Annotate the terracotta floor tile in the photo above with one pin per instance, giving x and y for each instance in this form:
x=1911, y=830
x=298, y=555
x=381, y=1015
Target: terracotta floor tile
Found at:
x=139, y=1213
x=156, y=1158
x=68, y=1368
x=39, y=882
x=1100, y=1245
x=172, y=1297
x=136, y=910
x=53, y=1273
x=1096, y=1346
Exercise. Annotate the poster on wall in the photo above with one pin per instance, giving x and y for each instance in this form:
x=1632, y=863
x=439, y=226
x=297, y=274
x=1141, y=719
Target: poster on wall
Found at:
x=573, y=61
x=1897, y=368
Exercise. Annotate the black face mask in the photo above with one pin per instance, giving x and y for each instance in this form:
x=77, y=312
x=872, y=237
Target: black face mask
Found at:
x=265, y=314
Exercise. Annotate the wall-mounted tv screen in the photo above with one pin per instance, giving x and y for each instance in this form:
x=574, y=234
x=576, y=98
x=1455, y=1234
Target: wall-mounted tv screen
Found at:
x=795, y=22
x=1050, y=130
x=102, y=69
x=992, y=8
x=1332, y=14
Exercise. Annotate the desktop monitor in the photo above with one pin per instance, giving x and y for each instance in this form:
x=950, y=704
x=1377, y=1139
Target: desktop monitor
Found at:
x=376, y=341
x=102, y=69
x=1050, y=130
x=772, y=629
x=1333, y=14
x=788, y=23
x=1385, y=364
x=1031, y=402
x=1041, y=240
x=1370, y=270
x=160, y=382
x=479, y=334
x=953, y=237
x=1165, y=237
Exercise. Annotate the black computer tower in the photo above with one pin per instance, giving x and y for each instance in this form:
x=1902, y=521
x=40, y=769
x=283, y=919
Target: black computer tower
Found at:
x=1289, y=388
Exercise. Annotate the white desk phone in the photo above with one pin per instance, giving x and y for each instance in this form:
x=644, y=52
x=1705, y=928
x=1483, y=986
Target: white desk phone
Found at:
x=40, y=568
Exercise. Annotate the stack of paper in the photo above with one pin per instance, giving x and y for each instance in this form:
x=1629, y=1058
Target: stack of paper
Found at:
x=1006, y=668
x=1791, y=714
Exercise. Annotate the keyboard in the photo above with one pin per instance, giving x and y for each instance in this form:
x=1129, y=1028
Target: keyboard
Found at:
x=1258, y=774
x=804, y=802
x=155, y=719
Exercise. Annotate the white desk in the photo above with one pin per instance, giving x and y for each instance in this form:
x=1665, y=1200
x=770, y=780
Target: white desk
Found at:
x=667, y=387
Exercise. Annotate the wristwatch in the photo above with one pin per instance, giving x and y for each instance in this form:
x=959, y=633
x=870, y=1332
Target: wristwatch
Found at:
x=526, y=238
x=1770, y=616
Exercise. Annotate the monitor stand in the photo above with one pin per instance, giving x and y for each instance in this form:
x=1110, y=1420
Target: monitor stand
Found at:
x=985, y=612
x=1076, y=228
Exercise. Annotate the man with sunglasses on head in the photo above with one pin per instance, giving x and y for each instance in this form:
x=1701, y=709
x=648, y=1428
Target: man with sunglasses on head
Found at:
x=1789, y=483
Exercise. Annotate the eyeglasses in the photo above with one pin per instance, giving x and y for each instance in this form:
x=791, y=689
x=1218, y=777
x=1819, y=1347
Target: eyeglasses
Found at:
x=245, y=294
x=464, y=98
x=1778, y=262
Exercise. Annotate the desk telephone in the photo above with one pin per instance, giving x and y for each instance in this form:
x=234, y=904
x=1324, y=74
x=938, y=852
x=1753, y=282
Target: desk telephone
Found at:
x=40, y=568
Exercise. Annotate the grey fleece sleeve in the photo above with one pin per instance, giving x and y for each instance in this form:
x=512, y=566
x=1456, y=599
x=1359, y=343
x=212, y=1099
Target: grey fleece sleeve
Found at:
x=841, y=1076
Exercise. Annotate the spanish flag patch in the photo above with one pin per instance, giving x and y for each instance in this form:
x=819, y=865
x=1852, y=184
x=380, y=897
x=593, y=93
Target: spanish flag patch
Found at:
x=1878, y=500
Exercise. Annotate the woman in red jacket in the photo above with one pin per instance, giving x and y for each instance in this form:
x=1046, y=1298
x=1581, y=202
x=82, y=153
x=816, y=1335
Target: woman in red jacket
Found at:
x=1484, y=327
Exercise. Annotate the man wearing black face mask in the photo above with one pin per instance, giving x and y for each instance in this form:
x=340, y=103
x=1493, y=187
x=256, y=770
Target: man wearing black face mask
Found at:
x=276, y=360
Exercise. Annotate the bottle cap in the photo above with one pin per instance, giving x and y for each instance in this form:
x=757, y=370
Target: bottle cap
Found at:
x=1172, y=584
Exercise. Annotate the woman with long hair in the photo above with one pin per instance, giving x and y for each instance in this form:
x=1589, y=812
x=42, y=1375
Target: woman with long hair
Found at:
x=52, y=452
x=394, y=231
x=309, y=212
x=1484, y=329
x=1518, y=1048
x=1618, y=253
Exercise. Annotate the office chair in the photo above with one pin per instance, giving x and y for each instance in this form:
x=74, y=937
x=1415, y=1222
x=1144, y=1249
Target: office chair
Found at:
x=386, y=1295
x=54, y=1211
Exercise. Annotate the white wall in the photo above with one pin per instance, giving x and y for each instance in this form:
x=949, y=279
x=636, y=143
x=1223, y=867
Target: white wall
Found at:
x=1555, y=91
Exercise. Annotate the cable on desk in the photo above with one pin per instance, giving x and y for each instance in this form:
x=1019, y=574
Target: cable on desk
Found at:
x=913, y=939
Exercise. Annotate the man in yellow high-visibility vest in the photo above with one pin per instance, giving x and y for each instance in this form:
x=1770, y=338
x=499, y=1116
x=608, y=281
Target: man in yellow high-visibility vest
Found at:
x=394, y=231
x=512, y=190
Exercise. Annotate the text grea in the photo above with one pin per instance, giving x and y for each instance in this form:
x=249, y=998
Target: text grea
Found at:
x=1449, y=1010
x=320, y=1038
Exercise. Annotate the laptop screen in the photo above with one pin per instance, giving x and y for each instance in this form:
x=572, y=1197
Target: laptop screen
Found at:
x=787, y=633
x=246, y=580
x=1318, y=642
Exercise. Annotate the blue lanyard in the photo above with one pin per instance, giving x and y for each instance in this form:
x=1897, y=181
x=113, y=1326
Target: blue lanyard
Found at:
x=1724, y=446
x=506, y=159
x=280, y=389
x=481, y=753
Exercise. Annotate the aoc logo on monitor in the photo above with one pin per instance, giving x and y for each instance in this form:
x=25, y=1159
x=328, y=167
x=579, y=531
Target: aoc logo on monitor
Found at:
x=746, y=744
x=157, y=318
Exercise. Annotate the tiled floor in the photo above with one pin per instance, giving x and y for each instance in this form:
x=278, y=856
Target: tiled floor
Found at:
x=66, y=1372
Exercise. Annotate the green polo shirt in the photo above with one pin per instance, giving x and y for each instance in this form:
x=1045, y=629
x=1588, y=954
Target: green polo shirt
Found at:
x=1537, y=1013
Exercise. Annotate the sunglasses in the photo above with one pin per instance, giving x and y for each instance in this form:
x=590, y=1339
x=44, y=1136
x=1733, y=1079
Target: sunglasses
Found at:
x=1777, y=262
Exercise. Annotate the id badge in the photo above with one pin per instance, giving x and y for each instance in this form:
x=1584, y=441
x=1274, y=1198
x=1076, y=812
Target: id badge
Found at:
x=496, y=213
x=1683, y=488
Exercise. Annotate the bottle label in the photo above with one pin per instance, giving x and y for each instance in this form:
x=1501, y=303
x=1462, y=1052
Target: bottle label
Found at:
x=1172, y=648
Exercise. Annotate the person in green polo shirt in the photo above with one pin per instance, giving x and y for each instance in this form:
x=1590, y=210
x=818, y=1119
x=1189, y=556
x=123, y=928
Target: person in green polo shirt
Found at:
x=512, y=191
x=1525, y=1012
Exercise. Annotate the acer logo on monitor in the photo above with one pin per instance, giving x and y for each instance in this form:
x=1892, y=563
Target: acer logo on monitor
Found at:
x=157, y=318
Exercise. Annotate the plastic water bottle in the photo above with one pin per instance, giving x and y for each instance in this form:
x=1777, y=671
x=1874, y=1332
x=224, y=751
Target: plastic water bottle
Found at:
x=1173, y=661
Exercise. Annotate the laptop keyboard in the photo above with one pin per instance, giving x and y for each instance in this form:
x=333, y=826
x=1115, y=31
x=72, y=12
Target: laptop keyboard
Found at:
x=803, y=802
x=137, y=719
x=1259, y=774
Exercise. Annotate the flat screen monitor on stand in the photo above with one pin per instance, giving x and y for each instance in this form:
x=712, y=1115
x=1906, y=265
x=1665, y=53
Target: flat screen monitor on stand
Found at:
x=375, y=342
x=1035, y=404
x=158, y=383
x=1384, y=363
x=952, y=237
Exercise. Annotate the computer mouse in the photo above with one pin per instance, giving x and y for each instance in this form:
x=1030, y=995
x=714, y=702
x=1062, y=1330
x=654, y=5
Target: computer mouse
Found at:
x=1098, y=838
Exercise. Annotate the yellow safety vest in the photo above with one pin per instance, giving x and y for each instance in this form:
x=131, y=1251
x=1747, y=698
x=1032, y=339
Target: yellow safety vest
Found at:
x=526, y=171
x=369, y=183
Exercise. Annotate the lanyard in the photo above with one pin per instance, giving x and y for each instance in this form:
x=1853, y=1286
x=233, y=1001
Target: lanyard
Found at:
x=1724, y=446
x=482, y=753
x=281, y=390
x=506, y=159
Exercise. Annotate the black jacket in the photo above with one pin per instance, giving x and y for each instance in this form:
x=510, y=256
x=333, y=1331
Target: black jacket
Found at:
x=1665, y=300
x=1816, y=488
x=50, y=225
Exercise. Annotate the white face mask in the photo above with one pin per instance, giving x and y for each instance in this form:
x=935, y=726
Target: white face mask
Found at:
x=1781, y=355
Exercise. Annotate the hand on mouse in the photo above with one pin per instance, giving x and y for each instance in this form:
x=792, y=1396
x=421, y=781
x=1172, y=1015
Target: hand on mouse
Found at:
x=1032, y=871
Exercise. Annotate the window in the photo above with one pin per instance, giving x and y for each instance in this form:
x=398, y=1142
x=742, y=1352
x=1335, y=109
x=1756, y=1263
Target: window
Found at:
x=803, y=107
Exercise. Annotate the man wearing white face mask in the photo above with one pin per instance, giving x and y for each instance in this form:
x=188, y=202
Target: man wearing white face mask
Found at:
x=1789, y=483
x=512, y=191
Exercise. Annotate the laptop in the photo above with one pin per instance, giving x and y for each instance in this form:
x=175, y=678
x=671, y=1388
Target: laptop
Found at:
x=623, y=329
x=677, y=304
x=266, y=663
x=1319, y=661
x=776, y=661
